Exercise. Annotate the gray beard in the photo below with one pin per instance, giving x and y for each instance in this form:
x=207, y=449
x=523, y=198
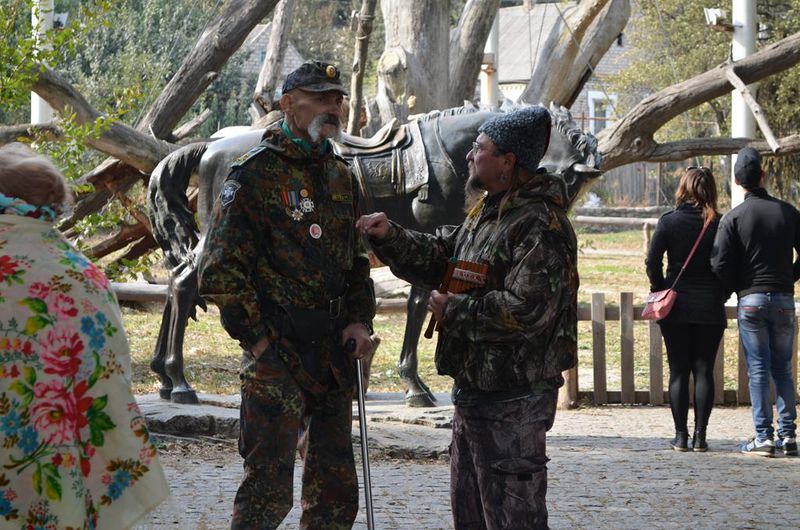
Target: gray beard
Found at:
x=315, y=129
x=473, y=191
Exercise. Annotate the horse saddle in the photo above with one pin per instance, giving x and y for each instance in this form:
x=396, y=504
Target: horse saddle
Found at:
x=390, y=136
x=390, y=163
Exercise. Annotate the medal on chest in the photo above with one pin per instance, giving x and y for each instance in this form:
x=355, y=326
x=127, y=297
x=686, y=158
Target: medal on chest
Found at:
x=297, y=203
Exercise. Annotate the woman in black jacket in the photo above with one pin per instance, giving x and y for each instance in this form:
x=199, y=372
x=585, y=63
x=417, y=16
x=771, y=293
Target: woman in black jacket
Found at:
x=694, y=327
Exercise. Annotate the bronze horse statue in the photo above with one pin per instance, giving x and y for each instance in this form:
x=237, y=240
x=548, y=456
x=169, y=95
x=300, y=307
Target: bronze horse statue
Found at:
x=415, y=173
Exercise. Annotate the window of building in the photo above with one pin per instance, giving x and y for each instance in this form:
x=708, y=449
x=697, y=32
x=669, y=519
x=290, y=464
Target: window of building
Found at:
x=601, y=110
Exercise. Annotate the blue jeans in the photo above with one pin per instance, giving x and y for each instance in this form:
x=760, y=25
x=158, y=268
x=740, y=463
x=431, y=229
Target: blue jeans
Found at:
x=766, y=327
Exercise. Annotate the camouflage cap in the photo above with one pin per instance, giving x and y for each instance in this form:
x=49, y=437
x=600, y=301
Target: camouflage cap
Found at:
x=314, y=76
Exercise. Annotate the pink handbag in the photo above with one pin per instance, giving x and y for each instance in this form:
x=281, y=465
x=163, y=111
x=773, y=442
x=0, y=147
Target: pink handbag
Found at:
x=659, y=304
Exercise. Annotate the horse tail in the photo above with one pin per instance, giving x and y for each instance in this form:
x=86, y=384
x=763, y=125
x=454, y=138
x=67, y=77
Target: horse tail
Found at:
x=172, y=219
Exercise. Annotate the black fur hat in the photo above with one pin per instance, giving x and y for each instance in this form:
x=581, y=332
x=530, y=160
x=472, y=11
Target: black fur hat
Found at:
x=524, y=132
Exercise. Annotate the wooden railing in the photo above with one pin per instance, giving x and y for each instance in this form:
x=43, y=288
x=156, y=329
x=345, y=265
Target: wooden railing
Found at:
x=599, y=314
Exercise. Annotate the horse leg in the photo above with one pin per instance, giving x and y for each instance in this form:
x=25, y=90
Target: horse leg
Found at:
x=418, y=394
x=185, y=294
x=160, y=352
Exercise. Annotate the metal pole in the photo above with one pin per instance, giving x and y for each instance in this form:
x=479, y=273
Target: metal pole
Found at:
x=42, y=21
x=745, y=27
x=362, y=424
x=489, y=75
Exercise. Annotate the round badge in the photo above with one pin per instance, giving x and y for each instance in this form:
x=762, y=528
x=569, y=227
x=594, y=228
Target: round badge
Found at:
x=304, y=192
x=330, y=71
x=315, y=230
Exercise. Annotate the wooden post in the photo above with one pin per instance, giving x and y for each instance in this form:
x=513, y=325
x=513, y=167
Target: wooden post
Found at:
x=626, y=346
x=599, y=348
x=658, y=183
x=719, y=374
x=646, y=230
x=365, y=18
x=568, y=394
x=656, y=365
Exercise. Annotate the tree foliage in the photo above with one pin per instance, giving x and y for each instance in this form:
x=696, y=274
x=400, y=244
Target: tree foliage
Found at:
x=670, y=42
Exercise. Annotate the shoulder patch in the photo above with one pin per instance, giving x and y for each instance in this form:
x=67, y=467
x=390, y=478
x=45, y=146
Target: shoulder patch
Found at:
x=228, y=192
x=239, y=162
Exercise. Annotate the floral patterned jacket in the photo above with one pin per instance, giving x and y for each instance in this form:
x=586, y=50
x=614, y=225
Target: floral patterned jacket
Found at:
x=75, y=451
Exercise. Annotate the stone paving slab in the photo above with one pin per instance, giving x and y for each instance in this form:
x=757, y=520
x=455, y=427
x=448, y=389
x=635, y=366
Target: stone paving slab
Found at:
x=610, y=468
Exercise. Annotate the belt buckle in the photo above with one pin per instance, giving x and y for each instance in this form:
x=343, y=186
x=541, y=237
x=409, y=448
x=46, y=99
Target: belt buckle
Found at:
x=335, y=307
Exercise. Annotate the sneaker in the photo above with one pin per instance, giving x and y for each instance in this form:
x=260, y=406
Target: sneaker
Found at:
x=756, y=448
x=788, y=445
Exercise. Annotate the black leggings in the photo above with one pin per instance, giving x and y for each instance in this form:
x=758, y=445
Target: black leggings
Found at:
x=691, y=348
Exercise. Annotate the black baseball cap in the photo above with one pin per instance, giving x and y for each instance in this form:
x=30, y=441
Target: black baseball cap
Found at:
x=747, y=169
x=314, y=76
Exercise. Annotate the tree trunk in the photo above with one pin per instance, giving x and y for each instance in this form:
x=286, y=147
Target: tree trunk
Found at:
x=467, y=41
x=270, y=72
x=572, y=51
x=222, y=38
x=365, y=18
x=631, y=138
x=413, y=70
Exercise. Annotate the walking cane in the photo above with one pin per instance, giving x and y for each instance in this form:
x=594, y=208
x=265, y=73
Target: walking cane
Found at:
x=362, y=425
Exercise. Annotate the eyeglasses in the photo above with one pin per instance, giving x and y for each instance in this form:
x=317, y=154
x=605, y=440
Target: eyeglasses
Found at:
x=477, y=148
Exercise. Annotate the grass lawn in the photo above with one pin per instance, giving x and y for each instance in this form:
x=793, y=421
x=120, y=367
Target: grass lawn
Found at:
x=609, y=263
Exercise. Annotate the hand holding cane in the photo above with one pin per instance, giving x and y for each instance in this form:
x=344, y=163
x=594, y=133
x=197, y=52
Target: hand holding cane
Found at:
x=350, y=347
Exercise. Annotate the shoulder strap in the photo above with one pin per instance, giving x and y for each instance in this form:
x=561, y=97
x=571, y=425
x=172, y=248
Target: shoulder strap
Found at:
x=689, y=257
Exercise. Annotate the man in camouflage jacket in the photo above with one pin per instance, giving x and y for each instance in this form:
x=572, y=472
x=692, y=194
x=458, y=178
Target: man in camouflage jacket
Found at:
x=505, y=341
x=291, y=278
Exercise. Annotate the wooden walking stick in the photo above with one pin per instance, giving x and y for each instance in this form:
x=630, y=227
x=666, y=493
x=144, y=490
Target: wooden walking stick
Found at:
x=350, y=347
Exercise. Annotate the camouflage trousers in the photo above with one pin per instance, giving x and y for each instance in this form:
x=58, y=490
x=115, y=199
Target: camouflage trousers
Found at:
x=276, y=418
x=498, y=471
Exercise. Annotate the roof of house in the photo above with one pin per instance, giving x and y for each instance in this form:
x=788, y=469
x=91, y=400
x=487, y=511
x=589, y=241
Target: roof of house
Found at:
x=522, y=36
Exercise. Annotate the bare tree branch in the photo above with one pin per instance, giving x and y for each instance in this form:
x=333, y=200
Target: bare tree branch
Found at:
x=191, y=126
x=276, y=50
x=693, y=147
x=631, y=138
x=13, y=133
x=121, y=141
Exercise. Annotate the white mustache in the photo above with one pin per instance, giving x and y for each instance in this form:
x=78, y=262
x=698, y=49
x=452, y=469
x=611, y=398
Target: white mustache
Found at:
x=316, y=125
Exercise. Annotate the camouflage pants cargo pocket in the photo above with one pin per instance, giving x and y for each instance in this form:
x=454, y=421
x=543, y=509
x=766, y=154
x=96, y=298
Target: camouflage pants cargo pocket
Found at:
x=518, y=488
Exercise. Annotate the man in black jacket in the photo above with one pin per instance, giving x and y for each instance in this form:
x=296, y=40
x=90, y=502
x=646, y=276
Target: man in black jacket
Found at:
x=753, y=256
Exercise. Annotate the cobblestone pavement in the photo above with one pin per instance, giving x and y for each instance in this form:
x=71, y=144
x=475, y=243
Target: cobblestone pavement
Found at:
x=610, y=468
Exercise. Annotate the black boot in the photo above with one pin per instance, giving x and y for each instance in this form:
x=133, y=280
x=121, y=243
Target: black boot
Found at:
x=681, y=441
x=699, y=444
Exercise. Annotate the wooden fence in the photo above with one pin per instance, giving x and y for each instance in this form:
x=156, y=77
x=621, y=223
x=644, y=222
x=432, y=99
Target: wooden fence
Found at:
x=599, y=314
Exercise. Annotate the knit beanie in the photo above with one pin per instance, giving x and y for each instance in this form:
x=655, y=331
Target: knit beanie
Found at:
x=524, y=132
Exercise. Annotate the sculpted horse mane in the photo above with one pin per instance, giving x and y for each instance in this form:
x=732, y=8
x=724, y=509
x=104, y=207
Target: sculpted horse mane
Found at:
x=414, y=172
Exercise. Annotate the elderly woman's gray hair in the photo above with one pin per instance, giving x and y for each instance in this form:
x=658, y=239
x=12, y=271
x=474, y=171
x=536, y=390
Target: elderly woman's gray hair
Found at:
x=29, y=176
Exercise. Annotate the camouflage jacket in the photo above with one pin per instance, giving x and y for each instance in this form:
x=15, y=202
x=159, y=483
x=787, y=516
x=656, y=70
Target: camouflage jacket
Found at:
x=282, y=233
x=519, y=329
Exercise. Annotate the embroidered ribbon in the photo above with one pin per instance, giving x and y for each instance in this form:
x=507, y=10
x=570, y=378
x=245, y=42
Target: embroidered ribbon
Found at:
x=15, y=206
